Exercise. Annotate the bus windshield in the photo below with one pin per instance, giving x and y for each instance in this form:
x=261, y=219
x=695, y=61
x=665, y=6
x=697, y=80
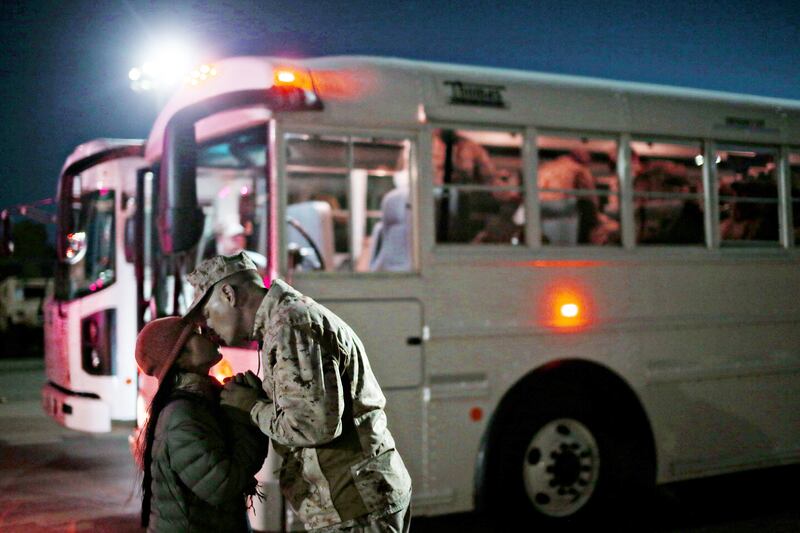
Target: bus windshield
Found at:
x=87, y=260
x=232, y=194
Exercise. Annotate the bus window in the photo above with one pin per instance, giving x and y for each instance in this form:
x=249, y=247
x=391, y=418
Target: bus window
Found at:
x=667, y=192
x=88, y=264
x=478, y=192
x=349, y=207
x=578, y=191
x=794, y=169
x=231, y=190
x=748, y=195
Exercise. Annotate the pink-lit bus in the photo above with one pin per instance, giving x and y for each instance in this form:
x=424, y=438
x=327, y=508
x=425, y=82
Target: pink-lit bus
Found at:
x=569, y=289
x=90, y=321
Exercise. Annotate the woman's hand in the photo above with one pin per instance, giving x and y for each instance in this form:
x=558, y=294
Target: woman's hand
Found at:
x=242, y=390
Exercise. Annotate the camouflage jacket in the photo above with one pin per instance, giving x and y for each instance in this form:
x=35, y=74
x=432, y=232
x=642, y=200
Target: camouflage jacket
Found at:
x=324, y=414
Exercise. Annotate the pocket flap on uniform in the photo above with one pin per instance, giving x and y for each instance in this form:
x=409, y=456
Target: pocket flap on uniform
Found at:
x=382, y=481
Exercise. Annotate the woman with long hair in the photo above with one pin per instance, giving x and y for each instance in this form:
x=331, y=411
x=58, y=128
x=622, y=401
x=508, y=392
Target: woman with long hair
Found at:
x=198, y=459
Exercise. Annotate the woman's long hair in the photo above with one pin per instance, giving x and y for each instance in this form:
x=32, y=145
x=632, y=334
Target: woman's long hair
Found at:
x=144, y=445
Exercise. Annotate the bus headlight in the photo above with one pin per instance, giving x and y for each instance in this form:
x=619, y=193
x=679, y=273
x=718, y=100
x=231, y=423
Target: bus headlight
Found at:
x=76, y=247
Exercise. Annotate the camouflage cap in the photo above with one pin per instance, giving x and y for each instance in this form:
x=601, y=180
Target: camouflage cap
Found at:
x=213, y=270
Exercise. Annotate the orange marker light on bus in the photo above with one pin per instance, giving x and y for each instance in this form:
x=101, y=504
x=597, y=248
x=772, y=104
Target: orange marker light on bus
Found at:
x=565, y=306
x=570, y=310
x=293, y=78
x=285, y=76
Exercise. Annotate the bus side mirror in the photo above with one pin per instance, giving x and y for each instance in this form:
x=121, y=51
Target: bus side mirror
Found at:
x=180, y=219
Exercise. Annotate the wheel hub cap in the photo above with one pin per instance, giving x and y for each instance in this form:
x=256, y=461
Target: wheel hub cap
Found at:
x=561, y=467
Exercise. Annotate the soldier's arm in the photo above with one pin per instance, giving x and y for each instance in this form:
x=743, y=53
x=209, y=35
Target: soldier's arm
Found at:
x=483, y=163
x=305, y=408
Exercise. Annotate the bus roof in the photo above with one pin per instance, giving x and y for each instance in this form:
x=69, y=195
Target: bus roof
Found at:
x=398, y=92
x=96, y=146
x=564, y=80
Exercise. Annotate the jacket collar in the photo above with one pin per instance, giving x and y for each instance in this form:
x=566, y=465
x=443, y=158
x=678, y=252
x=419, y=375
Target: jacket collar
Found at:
x=205, y=386
x=276, y=291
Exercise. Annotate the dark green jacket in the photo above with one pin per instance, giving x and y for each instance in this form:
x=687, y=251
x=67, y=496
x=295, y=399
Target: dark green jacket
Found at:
x=204, y=460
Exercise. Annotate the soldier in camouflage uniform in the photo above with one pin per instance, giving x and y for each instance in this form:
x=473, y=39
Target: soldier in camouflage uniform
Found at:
x=319, y=401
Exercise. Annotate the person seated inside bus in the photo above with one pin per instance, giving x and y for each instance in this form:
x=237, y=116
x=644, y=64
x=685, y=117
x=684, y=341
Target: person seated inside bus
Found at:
x=341, y=219
x=750, y=221
x=663, y=219
x=689, y=225
x=506, y=224
x=570, y=172
x=470, y=161
x=230, y=238
x=389, y=245
x=459, y=212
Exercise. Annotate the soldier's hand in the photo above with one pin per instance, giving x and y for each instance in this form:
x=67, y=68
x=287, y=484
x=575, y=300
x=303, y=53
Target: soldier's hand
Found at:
x=239, y=396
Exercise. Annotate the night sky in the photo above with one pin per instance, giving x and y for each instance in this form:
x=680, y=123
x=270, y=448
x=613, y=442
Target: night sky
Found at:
x=63, y=77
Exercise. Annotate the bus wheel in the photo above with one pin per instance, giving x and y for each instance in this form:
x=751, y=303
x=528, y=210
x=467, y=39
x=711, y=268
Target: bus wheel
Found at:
x=571, y=461
x=560, y=467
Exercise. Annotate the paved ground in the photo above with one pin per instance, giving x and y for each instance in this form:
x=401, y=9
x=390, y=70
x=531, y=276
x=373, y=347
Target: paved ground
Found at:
x=57, y=480
x=79, y=484
x=52, y=478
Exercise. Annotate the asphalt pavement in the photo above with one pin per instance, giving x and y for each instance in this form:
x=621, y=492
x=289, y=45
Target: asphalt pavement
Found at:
x=58, y=480
x=54, y=479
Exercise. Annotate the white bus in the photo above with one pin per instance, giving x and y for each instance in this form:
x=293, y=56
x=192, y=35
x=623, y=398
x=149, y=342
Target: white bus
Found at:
x=569, y=289
x=90, y=321
x=106, y=288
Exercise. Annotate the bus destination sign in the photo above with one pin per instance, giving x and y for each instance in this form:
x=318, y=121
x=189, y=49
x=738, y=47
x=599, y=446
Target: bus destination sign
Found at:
x=477, y=94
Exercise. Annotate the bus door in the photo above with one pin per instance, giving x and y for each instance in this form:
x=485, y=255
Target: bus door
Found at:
x=348, y=237
x=213, y=200
x=231, y=193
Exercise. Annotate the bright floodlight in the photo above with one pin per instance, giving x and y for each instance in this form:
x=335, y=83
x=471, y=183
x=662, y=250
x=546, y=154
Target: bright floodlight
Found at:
x=165, y=64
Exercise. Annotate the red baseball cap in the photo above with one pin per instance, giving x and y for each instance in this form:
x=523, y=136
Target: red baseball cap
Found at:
x=159, y=344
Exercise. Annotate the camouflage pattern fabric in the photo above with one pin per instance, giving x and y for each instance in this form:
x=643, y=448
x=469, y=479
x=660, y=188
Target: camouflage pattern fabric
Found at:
x=324, y=414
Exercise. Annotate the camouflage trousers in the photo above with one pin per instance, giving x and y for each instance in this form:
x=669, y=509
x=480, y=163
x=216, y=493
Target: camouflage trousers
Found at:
x=399, y=522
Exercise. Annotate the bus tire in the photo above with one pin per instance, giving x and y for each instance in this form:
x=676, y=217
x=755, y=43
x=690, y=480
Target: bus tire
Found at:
x=565, y=460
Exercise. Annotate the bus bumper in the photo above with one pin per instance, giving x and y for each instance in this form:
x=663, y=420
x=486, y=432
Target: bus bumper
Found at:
x=76, y=412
